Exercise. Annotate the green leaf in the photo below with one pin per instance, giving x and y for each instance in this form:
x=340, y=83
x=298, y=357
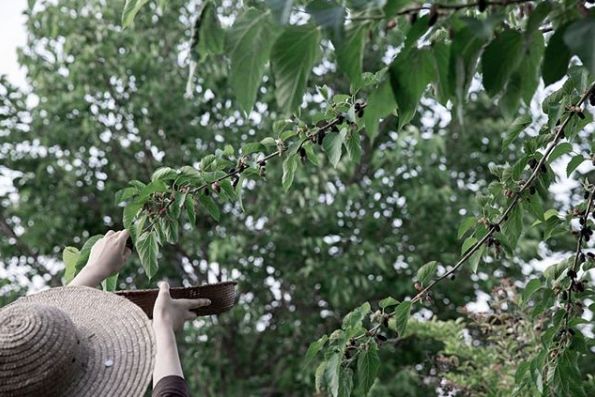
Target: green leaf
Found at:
x=538, y=15
x=580, y=38
x=124, y=194
x=401, y=317
x=148, y=249
x=350, y=53
x=110, y=283
x=381, y=103
x=416, y=31
x=465, y=225
x=387, y=302
x=368, y=363
x=333, y=145
x=408, y=87
x=518, y=125
x=211, y=36
x=441, y=52
x=289, y=167
x=529, y=72
x=507, y=46
x=156, y=186
x=292, y=59
x=427, y=272
x=281, y=10
x=560, y=150
x=354, y=146
x=164, y=174
x=210, y=205
x=327, y=376
x=313, y=350
x=556, y=57
x=190, y=210
x=328, y=15
x=250, y=41
x=70, y=257
x=468, y=243
x=131, y=8
x=574, y=163
x=475, y=259
x=530, y=289
x=393, y=6
x=354, y=318
x=129, y=213
x=254, y=147
x=345, y=382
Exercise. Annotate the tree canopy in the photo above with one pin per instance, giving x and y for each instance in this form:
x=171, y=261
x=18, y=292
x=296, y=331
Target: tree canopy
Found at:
x=364, y=169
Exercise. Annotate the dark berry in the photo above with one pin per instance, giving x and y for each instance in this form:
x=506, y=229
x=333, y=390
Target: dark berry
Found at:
x=482, y=5
x=571, y=273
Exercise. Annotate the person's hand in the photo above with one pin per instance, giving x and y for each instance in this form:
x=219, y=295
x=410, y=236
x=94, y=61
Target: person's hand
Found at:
x=170, y=314
x=107, y=257
x=109, y=253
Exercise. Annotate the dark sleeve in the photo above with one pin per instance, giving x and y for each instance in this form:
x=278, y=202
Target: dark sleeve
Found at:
x=171, y=386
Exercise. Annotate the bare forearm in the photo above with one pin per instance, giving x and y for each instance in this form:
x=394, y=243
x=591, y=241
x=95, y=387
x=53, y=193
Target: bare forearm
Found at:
x=88, y=277
x=167, y=360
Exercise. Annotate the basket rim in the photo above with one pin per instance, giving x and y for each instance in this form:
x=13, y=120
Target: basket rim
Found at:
x=203, y=286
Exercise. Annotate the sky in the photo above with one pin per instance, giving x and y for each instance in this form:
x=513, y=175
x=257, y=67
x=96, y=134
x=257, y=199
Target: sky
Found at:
x=12, y=35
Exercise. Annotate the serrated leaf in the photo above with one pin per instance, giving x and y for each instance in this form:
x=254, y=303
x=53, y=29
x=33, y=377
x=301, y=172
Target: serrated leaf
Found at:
x=345, y=382
x=250, y=40
x=333, y=146
x=354, y=146
x=518, y=125
x=70, y=257
x=329, y=378
x=129, y=213
x=574, y=163
x=328, y=15
x=401, y=317
x=210, y=205
x=475, y=259
x=387, y=302
x=381, y=103
x=350, y=53
x=556, y=57
x=148, y=249
x=507, y=45
x=125, y=194
x=254, y=147
x=441, y=53
x=538, y=15
x=427, y=272
x=530, y=289
x=313, y=350
x=289, y=167
x=468, y=243
x=131, y=8
x=560, y=150
x=465, y=225
x=580, y=39
x=292, y=58
x=190, y=210
x=408, y=87
x=281, y=10
x=368, y=363
x=211, y=36
x=354, y=318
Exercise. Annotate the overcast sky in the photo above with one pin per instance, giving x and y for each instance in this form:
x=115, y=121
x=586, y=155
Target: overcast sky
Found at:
x=12, y=35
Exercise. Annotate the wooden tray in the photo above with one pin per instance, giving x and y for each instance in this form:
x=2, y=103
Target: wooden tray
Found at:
x=222, y=296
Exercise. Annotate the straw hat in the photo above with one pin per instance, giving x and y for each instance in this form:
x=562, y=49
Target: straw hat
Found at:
x=74, y=341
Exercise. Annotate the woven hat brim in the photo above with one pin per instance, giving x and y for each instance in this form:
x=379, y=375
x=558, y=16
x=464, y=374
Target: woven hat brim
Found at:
x=115, y=333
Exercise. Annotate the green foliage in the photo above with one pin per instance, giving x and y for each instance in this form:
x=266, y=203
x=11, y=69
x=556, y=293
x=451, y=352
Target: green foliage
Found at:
x=319, y=182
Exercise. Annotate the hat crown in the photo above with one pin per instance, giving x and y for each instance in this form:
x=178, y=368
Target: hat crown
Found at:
x=37, y=343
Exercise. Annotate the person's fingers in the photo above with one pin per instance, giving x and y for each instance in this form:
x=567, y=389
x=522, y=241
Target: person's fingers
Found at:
x=163, y=288
x=109, y=233
x=193, y=303
x=123, y=236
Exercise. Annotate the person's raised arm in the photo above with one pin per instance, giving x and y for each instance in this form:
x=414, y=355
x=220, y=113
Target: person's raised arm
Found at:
x=107, y=257
x=169, y=316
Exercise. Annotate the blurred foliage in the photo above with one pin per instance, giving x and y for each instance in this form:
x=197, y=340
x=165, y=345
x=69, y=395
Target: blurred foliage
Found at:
x=106, y=106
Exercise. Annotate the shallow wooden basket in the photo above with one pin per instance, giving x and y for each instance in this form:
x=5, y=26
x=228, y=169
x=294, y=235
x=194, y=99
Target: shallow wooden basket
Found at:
x=222, y=296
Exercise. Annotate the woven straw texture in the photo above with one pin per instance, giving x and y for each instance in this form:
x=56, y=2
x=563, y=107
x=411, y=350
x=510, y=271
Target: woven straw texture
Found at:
x=74, y=341
x=222, y=296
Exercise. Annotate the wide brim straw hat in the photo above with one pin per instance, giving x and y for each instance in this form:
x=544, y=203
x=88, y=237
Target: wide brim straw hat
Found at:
x=75, y=341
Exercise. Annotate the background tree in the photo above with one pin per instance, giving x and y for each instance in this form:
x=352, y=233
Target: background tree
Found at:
x=309, y=241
